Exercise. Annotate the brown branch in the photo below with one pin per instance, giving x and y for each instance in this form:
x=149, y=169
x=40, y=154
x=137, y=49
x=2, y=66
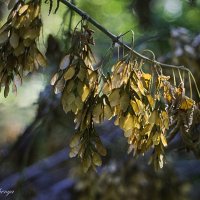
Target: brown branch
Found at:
x=115, y=38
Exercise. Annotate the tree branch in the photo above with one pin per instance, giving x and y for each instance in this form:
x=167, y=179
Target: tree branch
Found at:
x=115, y=38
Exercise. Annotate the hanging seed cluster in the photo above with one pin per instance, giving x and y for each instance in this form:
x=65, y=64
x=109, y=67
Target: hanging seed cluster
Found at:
x=181, y=111
x=78, y=82
x=139, y=108
x=144, y=105
x=19, y=54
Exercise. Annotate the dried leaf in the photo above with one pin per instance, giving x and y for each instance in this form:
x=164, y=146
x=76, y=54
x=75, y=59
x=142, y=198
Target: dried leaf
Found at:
x=114, y=97
x=40, y=59
x=65, y=62
x=124, y=101
x=151, y=101
x=14, y=39
x=156, y=138
x=31, y=33
x=54, y=78
x=75, y=140
x=86, y=163
x=163, y=139
x=186, y=103
x=96, y=159
x=85, y=94
x=23, y=9
x=153, y=117
x=69, y=73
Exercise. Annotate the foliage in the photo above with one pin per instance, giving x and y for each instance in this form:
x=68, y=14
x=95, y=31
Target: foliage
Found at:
x=19, y=54
x=148, y=107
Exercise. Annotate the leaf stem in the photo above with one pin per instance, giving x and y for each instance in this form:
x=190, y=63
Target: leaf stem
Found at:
x=116, y=39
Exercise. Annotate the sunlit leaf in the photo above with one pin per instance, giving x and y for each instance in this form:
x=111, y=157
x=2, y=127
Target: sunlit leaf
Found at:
x=186, y=103
x=23, y=9
x=85, y=94
x=114, y=97
x=163, y=139
x=69, y=73
x=96, y=159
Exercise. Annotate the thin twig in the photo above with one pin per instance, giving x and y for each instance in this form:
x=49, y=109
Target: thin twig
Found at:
x=115, y=38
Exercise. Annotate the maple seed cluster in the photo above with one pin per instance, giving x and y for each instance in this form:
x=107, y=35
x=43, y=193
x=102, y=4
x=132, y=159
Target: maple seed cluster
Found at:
x=144, y=105
x=78, y=82
x=19, y=54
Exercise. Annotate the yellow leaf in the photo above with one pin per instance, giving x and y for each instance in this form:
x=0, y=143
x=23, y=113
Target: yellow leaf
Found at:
x=107, y=112
x=78, y=103
x=186, y=103
x=106, y=88
x=73, y=107
x=36, y=11
x=69, y=73
x=135, y=107
x=146, y=76
x=116, y=81
x=128, y=123
x=163, y=78
x=114, y=97
x=23, y=9
x=70, y=85
x=141, y=106
x=145, y=118
x=59, y=86
x=147, y=129
x=141, y=87
x=100, y=148
x=71, y=98
x=151, y=101
x=31, y=33
x=54, y=78
x=96, y=159
x=163, y=139
x=27, y=42
x=74, y=152
x=93, y=77
x=40, y=59
x=19, y=50
x=165, y=119
x=82, y=73
x=124, y=101
x=153, y=117
x=156, y=138
x=97, y=111
x=86, y=163
x=85, y=94
x=75, y=140
x=116, y=122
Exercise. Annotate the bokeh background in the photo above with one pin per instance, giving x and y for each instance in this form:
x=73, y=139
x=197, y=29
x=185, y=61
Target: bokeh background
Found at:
x=35, y=132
